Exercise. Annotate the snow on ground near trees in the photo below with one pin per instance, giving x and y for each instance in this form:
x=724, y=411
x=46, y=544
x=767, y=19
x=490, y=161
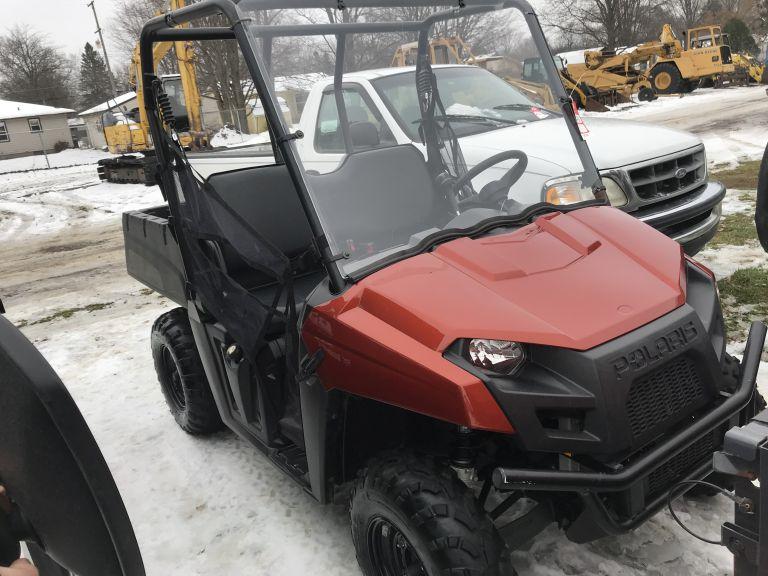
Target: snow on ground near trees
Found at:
x=216, y=505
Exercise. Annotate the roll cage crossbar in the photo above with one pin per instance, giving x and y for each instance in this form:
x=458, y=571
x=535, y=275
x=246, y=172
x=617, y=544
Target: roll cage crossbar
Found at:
x=165, y=28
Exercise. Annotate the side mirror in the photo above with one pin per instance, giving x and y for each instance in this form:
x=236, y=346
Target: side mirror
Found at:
x=65, y=503
x=364, y=135
x=761, y=207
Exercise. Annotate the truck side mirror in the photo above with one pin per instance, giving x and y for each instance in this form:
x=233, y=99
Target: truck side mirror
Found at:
x=64, y=501
x=761, y=207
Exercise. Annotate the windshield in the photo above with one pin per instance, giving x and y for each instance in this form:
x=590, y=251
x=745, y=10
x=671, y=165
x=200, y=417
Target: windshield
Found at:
x=397, y=151
x=469, y=94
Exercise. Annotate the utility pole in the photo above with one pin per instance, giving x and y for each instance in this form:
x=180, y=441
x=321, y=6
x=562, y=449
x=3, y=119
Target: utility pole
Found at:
x=103, y=48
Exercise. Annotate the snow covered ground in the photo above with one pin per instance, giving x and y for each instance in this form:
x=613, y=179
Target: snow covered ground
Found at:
x=70, y=157
x=216, y=505
x=732, y=122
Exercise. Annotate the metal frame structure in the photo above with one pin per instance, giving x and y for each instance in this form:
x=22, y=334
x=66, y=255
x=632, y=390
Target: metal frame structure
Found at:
x=166, y=28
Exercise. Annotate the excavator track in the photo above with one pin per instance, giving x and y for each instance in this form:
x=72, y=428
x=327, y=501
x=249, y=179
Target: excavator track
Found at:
x=128, y=169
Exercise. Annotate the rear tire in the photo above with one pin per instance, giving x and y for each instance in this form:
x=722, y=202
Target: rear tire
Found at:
x=412, y=515
x=181, y=375
x=666, y=79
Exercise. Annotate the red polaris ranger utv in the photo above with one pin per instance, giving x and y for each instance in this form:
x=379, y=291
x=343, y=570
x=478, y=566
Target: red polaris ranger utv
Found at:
x=466, y=348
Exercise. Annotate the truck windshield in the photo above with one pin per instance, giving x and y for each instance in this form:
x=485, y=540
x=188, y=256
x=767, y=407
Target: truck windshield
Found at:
x=475, y=100
x=394, y=155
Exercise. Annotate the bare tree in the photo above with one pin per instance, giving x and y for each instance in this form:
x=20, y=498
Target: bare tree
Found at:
x=32, y=70
x=130, y=16
x=689, y=12
x=605, y=23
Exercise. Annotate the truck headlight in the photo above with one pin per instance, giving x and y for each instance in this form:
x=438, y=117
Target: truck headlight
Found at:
x=570, y=190
x=502, y=356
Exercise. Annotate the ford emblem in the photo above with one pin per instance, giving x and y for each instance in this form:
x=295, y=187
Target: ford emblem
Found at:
x=680, y=173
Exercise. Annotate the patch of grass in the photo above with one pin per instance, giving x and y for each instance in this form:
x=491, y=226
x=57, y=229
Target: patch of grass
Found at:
x=744, y=298
x=747, y=197
x=22, y=324
x=69, y=312
x=735, y=230
x=743, y=177
x=146, y=291
x=746, y=286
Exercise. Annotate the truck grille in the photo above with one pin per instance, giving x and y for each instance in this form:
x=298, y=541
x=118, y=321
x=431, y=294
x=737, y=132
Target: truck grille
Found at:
x=667, y=394
x=666, y=475
x=670, y=176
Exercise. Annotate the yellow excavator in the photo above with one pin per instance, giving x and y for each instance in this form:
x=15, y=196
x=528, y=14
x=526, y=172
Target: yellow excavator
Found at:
x=127, y=131
x=454, y=50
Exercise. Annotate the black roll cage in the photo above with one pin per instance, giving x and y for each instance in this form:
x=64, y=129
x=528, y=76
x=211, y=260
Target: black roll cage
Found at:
x=164, y=28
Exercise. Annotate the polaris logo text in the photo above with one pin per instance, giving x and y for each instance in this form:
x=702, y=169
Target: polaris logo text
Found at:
x=650, y=354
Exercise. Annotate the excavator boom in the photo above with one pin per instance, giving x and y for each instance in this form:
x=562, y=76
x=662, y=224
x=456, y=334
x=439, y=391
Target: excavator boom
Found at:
x=128, y=137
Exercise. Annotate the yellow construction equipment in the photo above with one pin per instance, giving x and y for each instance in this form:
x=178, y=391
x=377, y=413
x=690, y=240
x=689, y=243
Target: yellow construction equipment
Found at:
x=748, y=67
x=446, y=50
x=622, y=72
x=454, y=50
x=126, y=132
x=704, y=53
x=533, y=82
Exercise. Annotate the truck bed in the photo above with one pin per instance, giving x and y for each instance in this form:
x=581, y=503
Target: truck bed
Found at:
x=152, y=254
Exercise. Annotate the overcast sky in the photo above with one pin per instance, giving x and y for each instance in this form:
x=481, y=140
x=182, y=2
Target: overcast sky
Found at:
x=68, y=23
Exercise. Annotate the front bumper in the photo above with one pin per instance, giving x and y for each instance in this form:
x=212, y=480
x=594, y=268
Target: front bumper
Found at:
x=597, y=519
x=691, y=219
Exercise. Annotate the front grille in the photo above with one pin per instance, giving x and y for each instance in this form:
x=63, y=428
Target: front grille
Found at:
x=669, y=176
x=662, y=479
x=663, y=395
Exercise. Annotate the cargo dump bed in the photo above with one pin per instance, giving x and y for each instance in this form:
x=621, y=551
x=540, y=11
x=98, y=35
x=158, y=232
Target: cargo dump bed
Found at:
x=152, y=254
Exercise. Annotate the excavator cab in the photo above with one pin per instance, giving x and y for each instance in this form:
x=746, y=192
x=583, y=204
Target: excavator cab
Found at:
x=122, y=131
x=175, y=90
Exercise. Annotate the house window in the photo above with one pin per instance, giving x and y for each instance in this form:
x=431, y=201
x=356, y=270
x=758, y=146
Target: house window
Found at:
x=34, y=125
x=4, y=136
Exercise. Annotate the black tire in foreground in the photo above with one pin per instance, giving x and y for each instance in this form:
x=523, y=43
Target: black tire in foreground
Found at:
x=761, y=208
x=412, y=515
x=181, y=375
x=666, y=79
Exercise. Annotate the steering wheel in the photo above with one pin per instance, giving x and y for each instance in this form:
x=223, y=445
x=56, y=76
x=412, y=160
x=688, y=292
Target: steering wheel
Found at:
x=495, y=192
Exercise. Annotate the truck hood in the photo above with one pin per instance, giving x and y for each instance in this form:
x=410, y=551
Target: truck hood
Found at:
x=613, y=142
x=573, y=280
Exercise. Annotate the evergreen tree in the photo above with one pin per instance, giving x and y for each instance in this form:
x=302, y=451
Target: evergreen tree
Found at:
x=94, y=85
x=740, y=37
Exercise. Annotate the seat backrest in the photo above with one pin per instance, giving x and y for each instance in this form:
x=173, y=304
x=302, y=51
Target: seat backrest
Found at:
x=265, y=197
x=380, y=196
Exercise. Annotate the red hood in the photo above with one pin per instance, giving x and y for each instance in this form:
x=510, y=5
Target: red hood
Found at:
x=573, y=280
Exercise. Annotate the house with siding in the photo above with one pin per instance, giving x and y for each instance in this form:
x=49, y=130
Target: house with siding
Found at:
x=27, y=129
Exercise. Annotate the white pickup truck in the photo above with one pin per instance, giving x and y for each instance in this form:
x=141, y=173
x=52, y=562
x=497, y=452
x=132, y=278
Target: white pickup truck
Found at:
x=655, y=173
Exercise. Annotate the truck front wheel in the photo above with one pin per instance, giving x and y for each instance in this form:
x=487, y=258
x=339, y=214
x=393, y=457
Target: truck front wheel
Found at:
x=412, y=515
x=181, y=375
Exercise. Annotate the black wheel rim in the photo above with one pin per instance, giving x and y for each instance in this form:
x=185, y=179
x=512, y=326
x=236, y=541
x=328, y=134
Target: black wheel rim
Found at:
x=391, y=552
x=173, y=380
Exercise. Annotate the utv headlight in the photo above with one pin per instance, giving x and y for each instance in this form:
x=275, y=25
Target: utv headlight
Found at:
x=502, y=356
x=570, y=190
